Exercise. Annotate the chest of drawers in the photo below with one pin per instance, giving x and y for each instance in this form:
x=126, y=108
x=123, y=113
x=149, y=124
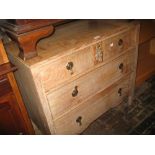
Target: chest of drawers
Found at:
x=84, y=69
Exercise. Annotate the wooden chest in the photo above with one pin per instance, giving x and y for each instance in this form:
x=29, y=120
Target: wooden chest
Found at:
x=85, y=68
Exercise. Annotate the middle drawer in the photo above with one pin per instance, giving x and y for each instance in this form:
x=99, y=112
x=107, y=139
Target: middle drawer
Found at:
x=69, y=96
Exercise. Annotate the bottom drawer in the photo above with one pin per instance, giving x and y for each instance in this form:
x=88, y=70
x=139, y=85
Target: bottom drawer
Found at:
x=78, y=119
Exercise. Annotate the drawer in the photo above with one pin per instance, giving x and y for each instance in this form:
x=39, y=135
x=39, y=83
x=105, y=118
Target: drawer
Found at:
x=114, y=46
x=67, y=67
x=78, y=119
x=72, y=94
x=80, y=62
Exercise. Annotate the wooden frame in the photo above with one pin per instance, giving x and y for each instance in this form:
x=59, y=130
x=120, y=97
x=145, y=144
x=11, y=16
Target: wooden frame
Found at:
x=27, y=32
x=7, y=68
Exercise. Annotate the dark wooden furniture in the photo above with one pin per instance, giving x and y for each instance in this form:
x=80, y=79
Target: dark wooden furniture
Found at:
x=146, y=58
x=13, y=115
x=27, y=32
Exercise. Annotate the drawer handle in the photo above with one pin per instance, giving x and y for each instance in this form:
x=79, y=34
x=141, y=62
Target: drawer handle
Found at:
x=120, y=42
x=120, y=91
x=121, y=67
x=75, y=91
x=79, y=120
x=70, y=67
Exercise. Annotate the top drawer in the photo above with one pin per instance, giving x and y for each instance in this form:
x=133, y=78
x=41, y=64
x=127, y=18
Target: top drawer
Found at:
x=69, y=66
x=117, y=44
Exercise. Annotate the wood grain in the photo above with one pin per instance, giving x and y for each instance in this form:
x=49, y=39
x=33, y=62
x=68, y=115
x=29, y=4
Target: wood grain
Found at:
x=27, y=122
x=23, y=31
x=50, y=85
x=10, y=122
x=146, y=60
x=92, y=109
x=6, y=68
x=152, y=46
x=62, y=100
x=16, y=110
x=26, y=45
x=3, y=56
x=146, y=63
x=56, y=73
x=73, y=37
x=5, y=87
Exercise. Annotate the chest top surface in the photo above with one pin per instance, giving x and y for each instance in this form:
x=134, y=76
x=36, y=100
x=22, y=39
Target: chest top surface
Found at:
x=71, y=37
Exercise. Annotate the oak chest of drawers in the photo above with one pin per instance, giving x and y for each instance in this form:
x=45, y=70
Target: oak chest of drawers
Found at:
x=83, y=70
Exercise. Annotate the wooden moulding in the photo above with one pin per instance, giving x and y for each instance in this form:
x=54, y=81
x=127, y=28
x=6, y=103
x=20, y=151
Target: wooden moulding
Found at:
x=27, y=32
x=27, y=41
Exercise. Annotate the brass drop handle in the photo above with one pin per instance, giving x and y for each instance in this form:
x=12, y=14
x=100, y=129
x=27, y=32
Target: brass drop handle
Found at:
x=121, y=67
x=120, y=91
x=120, y=42
x=69, y=67
x=75, y=91
x=79, y=120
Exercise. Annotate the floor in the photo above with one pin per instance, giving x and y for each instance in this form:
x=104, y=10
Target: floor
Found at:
x=137, y=119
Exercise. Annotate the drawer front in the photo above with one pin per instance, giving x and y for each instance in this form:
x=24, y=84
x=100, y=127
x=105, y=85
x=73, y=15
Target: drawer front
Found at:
x=116, y=45
x=69, y=66
x=78, y=119
x=74, y=93
x=66, y=68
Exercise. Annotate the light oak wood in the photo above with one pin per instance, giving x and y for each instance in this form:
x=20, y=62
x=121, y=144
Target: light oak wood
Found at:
x=101, y=51
x=30, y=94
x=62, y=100
x=134, y=66
x=56, y=73
x=113, y=46
x=92, y=109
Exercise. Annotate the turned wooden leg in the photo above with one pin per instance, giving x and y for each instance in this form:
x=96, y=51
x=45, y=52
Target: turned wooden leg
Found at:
x=27, y=41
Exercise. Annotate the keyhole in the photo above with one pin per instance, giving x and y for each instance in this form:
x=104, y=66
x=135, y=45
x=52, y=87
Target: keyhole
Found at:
x=120, y=42
x=121, y=66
